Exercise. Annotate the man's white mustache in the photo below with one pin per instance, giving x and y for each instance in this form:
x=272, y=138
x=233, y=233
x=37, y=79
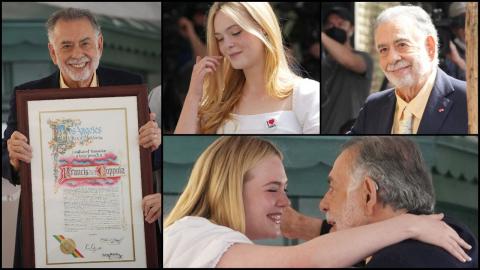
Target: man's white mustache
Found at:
x=83, y=59
x=398, y=65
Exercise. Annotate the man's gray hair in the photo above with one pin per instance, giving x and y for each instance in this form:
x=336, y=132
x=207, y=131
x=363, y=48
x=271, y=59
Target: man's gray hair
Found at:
x=69, y=14
x=397, y=167
x=418, y=15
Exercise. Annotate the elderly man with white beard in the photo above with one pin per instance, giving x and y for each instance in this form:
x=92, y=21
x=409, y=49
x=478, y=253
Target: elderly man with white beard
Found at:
x=425, y=99
x=75, y=46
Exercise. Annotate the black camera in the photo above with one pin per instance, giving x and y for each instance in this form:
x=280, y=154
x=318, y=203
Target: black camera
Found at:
x=444, y=28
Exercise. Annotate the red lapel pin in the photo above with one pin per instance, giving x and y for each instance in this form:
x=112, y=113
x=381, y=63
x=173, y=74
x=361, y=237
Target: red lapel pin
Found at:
x=441, y=110
x=271, y=123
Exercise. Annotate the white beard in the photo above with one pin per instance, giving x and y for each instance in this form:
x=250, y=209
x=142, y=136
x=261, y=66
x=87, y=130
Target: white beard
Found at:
x=419, y=68
x=350, y=217
x=76, y=75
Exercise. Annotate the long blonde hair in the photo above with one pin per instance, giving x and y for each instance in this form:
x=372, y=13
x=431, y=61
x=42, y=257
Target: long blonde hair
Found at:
x=214, y=190
x=222, y=90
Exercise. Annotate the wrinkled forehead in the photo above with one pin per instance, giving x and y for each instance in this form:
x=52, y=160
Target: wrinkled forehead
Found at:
x=391, y=30
x=73, y=29
x=342, y=164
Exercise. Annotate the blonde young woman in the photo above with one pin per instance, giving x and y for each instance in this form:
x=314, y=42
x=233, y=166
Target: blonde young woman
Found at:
x=236, y=194
x=245, y=84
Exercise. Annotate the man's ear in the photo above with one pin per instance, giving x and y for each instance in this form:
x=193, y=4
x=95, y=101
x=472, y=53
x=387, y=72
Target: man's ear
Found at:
x=100, y=43
x=370, y=195
x=430, y=45
x=51, y=50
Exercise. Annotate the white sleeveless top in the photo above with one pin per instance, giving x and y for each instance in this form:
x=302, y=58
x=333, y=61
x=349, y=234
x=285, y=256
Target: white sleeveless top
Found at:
x=197, y=242
x=304, y=118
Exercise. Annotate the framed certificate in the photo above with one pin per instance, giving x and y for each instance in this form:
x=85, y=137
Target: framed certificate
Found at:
x=81, y=194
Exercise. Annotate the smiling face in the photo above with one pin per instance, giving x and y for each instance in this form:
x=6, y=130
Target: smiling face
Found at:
x=242, y=49
x=406, y=55
x=76, y=49
x=342, y=203
x=264, y=197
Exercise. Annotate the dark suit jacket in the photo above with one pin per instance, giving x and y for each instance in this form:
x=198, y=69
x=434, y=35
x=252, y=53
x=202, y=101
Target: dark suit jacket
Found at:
x=413, y=253
x=106, y=77
x=445, y=112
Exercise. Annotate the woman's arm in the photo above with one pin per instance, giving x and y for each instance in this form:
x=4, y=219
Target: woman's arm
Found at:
x=347, y=247
x=344, y=55
x=188, y=121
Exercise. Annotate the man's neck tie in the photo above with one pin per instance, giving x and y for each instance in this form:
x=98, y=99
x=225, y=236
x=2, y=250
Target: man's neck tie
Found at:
x=405, y=125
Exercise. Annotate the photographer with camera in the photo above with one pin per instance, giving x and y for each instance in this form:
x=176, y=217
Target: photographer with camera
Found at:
x=451, y=34
x=346, y=73
x=455, y=59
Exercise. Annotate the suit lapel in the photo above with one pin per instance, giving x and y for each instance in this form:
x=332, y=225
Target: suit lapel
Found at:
x=55, y=80
x=438, y=105
x=386, y=112
x=102, y=79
